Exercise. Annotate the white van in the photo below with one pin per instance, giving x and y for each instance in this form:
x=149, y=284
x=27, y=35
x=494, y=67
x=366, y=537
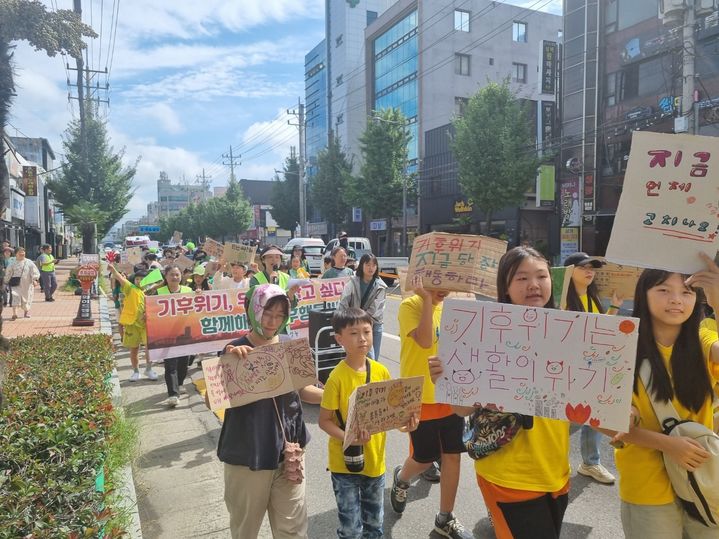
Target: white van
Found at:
x=314, y=247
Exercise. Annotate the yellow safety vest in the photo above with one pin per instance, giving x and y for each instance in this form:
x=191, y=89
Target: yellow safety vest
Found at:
x=283, y=279
x=50, y=266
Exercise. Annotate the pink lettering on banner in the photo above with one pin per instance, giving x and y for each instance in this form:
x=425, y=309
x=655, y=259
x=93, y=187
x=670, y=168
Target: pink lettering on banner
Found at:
x=167, y=307
x=538, y=361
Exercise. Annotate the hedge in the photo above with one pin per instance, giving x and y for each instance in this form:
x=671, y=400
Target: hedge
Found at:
x=56, y=431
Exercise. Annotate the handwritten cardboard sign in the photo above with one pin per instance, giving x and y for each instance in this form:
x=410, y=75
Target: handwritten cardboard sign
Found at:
x=268, y=371
x=213, y=248
x=613, y=278
x=561, y=278
x=236, y=253
x=134, y=255
x=176, y=238
x=668, y=211
x=456, y=262
x=382, y=406
x=199, y=323
x=183, y=262
x=565, y=365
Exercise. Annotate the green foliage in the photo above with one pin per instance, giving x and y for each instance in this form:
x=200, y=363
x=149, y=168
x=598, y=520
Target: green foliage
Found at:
x=56, y=432
x=219, y=217
x=493, y=145
x=285, y=197
x=329, y=185
x=92, y=177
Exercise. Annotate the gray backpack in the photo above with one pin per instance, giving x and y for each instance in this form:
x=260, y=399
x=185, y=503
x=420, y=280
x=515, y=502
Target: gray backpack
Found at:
x=697, y=491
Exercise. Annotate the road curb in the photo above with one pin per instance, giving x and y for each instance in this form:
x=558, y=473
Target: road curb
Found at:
x=126, y=483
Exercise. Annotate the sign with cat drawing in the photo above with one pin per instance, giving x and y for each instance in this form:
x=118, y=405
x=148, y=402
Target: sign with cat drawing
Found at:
x=566, y=365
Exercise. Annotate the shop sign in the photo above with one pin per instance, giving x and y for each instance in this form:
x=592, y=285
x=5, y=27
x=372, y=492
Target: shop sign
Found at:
x=569, y=200
x=29, y=181
x=379, y=225
x=589, y=192
x=549, y=66
x=568, y=241
x=463, y=206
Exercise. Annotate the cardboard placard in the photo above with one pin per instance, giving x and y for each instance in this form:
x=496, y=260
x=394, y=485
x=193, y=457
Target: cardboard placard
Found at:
x=613, y=277
x=134, y=255
x=267, y=371
x=236, y=253
x=668, y=211
x=556, y=364
x=561, y=278
x=183, y=262
x=176, y=238
x=456, y=262
x=382, y=406
x=213, y=248
x=127, y=269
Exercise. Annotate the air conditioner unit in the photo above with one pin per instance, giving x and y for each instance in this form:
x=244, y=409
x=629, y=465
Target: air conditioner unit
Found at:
x=704, y=7
x=671, y=11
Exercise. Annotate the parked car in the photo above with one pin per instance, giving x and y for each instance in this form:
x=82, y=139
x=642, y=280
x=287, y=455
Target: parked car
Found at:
x=314, y=249
x=387, y=264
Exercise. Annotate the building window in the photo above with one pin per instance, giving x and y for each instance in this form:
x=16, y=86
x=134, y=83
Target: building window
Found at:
x=461, y=20
x=340, y=118
x=371, y=17
x=611, y=89
x=339, y=80
x=519, y=32
x=461, y=64
x=519, y=72
x=491, y=61
x=338, y=40
x=460, y=105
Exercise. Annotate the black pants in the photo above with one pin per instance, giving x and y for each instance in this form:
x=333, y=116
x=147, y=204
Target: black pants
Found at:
x=540, y=518
x=175, y=374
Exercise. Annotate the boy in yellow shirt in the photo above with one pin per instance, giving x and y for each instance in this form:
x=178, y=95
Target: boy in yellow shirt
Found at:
x=359, y=494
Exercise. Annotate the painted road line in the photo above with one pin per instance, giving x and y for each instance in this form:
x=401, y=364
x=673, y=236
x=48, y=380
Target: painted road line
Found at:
x=390, y=336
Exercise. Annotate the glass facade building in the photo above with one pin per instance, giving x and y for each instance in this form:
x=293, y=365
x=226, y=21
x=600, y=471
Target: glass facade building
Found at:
x=315, y=105
x=395, y=65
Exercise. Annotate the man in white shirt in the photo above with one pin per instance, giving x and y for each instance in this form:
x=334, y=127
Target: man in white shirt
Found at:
x=237, y=278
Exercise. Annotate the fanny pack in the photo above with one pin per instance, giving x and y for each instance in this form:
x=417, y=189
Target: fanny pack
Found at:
x=487, y=431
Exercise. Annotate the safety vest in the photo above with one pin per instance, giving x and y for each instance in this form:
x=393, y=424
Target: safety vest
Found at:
x=284, y=279
x=50, y=265
x=183, y=290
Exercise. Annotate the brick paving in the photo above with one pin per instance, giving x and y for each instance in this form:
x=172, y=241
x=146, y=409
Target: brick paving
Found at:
x=51, y=317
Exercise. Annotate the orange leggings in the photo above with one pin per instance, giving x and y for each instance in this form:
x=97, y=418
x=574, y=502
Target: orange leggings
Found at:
x=549, y=516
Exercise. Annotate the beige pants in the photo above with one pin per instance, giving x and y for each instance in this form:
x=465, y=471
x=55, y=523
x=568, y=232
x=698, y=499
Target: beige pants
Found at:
x=249, y=495
x=668, y=521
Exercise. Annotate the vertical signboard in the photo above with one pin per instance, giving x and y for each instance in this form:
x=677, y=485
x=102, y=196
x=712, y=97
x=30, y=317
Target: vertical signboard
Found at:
x=29, y=181
x=589, y=192
x=569, y=202
x=549, y=67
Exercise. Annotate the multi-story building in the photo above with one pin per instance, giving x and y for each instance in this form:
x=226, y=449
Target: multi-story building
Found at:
x=625, y=68
x=172, y=197
x=426, y=59
x=316, y=125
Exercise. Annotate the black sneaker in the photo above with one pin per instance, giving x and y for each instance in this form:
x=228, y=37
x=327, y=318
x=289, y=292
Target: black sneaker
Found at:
x=452, y=528
x=398, y=494
x=432, y=474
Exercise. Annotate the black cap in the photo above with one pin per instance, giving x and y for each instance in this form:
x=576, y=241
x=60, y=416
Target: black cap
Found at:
x=583, y=259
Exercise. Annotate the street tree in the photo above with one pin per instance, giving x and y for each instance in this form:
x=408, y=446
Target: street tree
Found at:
x=329, y=184
x=494, y=148
x=285, y=196
x=49, y=31
x=93, y=173
x=383, y=176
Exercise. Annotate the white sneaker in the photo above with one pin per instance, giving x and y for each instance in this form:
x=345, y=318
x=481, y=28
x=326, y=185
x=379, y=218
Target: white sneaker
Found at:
x=152, y=375
x=597, y=472
x=135, y=376
x=173, y=401
x=182, y=390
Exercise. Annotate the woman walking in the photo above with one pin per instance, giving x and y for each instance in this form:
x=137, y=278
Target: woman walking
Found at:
x=21, y=277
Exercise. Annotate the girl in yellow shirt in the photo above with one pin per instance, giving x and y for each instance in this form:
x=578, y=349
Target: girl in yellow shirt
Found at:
x=680, y=355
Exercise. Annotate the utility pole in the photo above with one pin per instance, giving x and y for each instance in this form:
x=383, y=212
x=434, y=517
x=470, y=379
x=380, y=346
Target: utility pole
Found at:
x=77, y=7
x=300, y=113
x=232, y=158
x=204, y=181
x=688, y=57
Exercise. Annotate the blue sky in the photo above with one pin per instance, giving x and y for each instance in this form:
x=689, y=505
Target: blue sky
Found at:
x=188, y=79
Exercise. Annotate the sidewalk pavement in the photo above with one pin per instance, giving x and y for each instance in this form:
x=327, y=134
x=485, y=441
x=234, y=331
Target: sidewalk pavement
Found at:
x=51, y=317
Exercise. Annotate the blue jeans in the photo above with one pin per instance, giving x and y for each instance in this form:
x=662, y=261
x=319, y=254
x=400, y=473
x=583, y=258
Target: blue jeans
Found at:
x=376, y=341
x=360, y=505
x=589, y=443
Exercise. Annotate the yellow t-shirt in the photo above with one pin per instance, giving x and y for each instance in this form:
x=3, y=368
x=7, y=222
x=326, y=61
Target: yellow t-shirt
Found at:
x=413, y=359
x=585, y=304
x=536, y=459
x=133, y=305
x=342, y=381
x=642, y=477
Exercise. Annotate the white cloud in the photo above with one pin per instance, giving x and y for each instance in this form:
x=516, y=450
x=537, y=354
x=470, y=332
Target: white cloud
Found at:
x=165, y=115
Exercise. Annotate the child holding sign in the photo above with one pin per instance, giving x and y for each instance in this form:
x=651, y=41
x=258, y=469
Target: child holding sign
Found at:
x=583, y=296
x=524, y=483
x=252, y=440
x=681, y=356
x=358, y=473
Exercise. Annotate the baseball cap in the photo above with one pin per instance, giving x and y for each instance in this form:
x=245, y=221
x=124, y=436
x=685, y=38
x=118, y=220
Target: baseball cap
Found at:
x=583, y=259
x=199, y=270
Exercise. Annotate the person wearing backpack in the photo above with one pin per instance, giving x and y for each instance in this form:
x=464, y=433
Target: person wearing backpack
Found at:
x=677, y=357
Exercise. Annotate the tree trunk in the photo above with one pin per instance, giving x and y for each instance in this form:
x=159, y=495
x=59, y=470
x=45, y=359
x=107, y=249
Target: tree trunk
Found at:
x=7, y=88
x=390, y=238
x=489, y=224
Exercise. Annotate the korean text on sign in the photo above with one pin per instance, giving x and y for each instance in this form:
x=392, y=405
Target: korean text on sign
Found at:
x=456, y=262
x=668, y=211
x=544, y=362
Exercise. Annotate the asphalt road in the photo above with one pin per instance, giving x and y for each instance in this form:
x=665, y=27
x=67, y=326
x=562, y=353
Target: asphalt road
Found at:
x=593, y=508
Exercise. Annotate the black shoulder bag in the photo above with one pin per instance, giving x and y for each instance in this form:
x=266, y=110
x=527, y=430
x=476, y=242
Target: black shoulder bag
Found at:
x=354, y=454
